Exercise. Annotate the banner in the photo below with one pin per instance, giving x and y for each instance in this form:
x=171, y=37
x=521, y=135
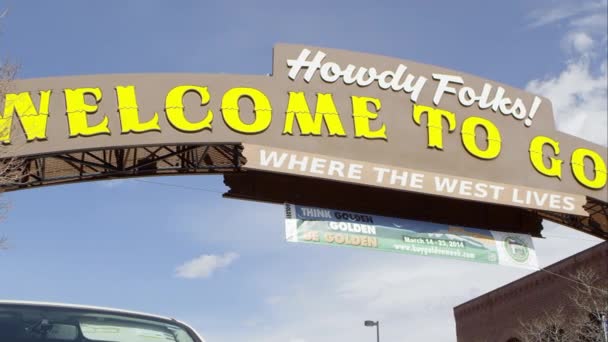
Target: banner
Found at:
x=343, y=228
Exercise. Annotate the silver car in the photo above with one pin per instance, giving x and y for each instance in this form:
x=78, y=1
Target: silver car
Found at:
x=53, y=322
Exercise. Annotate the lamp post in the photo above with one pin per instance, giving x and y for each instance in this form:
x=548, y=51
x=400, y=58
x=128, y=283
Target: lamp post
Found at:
x=604, y=321
x=377, y=325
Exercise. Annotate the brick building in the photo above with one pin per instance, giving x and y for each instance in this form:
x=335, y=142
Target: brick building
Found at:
x=496, y=315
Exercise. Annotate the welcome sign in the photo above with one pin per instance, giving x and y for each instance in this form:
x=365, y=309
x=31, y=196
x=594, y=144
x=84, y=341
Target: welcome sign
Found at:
x=330, y=114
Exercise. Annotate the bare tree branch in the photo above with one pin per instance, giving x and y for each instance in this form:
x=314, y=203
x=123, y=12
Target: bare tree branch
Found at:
x=11, y=169
x=549, y=327
x=578, y=319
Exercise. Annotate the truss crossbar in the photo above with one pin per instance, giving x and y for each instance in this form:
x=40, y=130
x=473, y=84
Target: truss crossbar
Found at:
x=135, y=161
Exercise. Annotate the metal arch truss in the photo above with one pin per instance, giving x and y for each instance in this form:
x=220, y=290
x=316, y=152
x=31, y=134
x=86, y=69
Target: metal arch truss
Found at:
x=595, y=224
x=102, y=164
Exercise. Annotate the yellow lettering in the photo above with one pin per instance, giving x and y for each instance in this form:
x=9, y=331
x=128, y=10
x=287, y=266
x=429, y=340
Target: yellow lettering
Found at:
x=129, y=112
x=538, y=160
x=77, y=111
x=434, y=124
x=362, y=116
x=297, y=109
x=174, y=108
x=33, y=122
x=578, y=168
x=469, y=138
x=261, y=107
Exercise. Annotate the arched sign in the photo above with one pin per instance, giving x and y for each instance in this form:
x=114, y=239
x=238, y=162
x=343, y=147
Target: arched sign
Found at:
x=348, y=120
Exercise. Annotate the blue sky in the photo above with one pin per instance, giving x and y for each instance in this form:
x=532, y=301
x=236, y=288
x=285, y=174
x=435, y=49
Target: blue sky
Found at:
x=120, y=243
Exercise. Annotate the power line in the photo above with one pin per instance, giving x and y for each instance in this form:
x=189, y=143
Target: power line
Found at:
x=572, y=280
x=180, y=186
x=571, y=238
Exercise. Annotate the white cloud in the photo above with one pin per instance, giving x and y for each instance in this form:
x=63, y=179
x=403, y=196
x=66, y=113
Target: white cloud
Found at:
x=594, y=22
x=579, y=99
x=585, y=25
x=578, y=42
x=579, y=92
x=205, y=265
x=577, y=13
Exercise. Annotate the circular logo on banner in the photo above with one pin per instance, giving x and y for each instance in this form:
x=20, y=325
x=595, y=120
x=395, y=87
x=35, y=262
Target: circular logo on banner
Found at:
x=516, y=248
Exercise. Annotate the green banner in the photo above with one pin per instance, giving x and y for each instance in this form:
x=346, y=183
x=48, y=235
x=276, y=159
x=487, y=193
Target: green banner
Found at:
x=343, y=228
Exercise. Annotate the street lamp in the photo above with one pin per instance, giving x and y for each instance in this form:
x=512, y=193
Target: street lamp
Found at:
x=604, y=321
x=374, y=324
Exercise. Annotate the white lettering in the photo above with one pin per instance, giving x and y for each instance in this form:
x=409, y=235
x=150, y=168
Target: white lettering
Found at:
x=497, y=189
x=336, y=168
x=293, y=161
x=317, y=165
x=302, y=62
x=395, y=177
x=416, y=180
x=266, y=159
x=380, y=172
x=330, y=72
x=443, y=184
x=465, y=188
x=354, y=171
x=442, y=88
x=568, y=203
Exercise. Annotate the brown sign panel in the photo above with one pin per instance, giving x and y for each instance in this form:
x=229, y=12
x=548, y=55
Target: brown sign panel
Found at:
x=412, y=127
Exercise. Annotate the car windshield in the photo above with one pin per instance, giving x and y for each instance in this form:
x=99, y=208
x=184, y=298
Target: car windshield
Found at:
x=41, y=323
